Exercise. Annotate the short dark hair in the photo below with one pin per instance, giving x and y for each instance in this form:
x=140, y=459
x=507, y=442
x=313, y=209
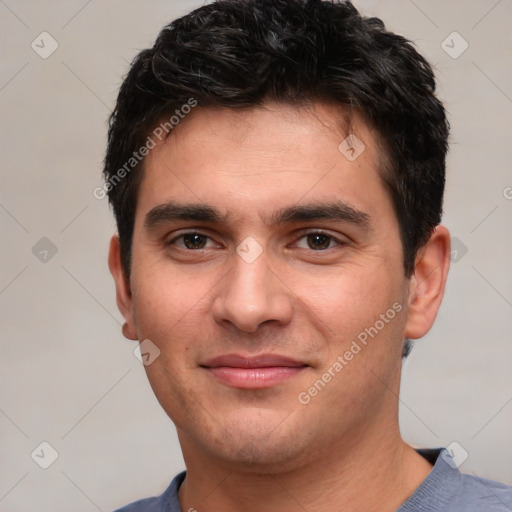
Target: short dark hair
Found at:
x=244, y=53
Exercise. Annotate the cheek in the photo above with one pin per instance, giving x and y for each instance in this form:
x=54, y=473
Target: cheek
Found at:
x=363, y=350
x=165, y=302
x=354, y=299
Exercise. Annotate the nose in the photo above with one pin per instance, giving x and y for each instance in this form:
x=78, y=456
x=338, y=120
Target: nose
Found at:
x=252, y=294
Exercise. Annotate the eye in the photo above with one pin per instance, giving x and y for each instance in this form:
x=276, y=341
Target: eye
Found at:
x=318, y=241
x=191, y=241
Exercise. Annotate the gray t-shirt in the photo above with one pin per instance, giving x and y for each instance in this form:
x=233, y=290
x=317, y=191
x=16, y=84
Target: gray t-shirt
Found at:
x=445, y=489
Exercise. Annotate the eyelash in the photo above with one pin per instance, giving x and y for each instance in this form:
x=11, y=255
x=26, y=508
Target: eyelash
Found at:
x=304, y=235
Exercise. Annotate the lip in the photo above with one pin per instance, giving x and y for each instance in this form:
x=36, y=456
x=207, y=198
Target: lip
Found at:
x=253, y=372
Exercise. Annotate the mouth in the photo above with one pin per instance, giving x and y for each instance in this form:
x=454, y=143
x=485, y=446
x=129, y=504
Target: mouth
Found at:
x=253, y=372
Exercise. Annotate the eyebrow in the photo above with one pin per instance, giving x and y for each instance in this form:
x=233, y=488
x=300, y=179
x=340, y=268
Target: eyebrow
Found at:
x=172, y=211
x=329, y=211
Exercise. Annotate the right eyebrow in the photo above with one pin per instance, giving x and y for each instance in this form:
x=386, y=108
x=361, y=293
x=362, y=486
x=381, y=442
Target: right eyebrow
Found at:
x=172, y=211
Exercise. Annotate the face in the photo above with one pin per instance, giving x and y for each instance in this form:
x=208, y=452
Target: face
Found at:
x=267, y=270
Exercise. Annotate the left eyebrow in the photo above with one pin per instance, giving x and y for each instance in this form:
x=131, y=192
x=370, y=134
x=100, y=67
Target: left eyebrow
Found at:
x=333, y=211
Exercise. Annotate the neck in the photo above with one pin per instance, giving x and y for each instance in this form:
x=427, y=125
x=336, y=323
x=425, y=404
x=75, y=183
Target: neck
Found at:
x=374, y=471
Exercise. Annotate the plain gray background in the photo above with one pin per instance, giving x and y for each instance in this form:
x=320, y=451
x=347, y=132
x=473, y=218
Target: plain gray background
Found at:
x=68, y=376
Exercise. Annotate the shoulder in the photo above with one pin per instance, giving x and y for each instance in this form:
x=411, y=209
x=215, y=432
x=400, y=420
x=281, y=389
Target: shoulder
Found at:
x=166, y=502
x=146, y=505
x=481, y=494
x=449, y=490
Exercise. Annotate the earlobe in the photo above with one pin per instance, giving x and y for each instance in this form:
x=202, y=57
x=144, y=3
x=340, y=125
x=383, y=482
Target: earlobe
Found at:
x=123, y=291
x=428, y=283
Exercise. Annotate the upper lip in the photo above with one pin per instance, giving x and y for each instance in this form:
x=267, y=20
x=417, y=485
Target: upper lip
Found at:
x=259, y=361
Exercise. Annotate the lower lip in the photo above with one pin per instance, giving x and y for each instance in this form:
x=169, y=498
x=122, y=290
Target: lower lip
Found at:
x=254, y=378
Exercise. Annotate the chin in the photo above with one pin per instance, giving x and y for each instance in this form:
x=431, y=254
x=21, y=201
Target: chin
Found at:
x=258, y=457
x=265, y=447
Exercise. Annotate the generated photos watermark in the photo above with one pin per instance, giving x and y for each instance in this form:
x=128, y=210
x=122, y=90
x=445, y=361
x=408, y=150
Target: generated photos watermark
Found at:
x=361, y=341
x=160, y=132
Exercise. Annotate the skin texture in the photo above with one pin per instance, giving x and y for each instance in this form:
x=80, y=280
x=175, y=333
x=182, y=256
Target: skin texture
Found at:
x=262, y=449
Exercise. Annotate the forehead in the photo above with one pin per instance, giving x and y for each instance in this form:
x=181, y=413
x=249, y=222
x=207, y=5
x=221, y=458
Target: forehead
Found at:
x=260, y=159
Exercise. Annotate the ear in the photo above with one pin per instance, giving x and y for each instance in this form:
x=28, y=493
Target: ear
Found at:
x=123, y=292
x=428, y=283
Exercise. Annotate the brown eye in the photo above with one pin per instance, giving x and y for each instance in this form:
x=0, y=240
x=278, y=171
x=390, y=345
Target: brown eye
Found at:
x=194, y=241
x=318, y=241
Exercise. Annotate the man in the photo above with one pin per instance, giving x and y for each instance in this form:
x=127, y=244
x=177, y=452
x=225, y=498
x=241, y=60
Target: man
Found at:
x=276, y=168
